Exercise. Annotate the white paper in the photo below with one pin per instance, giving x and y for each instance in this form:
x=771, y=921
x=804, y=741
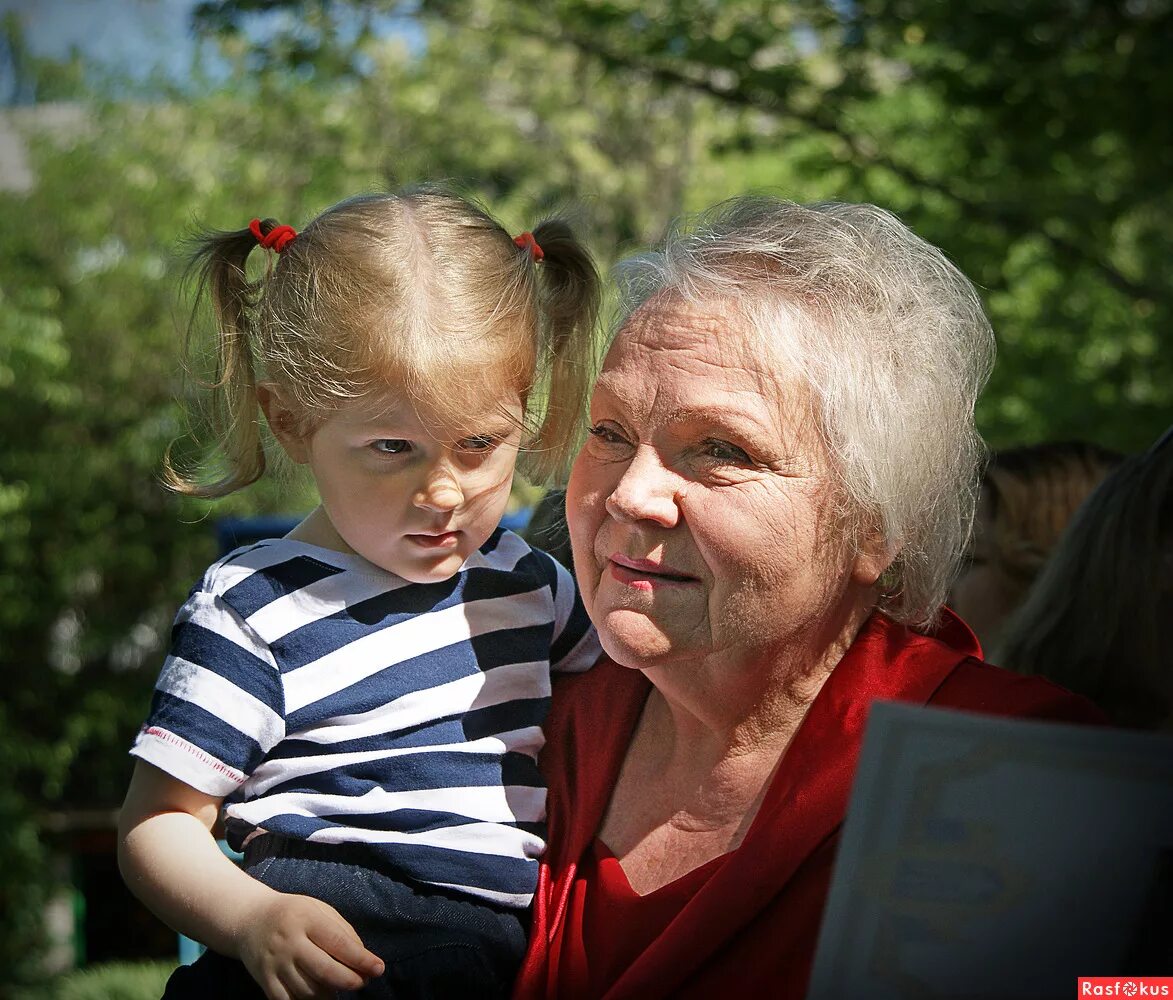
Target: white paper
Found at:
x=989, y=857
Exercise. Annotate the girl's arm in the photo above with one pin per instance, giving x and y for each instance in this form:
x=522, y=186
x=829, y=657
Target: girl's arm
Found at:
x=294, y=946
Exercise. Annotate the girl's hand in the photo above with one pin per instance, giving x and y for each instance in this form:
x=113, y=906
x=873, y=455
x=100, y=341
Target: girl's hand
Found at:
x=299, y=948
x=295, y=947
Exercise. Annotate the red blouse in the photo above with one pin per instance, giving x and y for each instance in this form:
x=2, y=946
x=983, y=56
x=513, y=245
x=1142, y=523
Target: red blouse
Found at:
x=609, y=921
x=747, y=923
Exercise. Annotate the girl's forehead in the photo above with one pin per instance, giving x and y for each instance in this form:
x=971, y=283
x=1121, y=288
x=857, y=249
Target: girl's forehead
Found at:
x=462, y=414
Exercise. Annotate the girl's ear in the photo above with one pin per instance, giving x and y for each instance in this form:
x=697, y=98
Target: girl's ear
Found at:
x=283, y=422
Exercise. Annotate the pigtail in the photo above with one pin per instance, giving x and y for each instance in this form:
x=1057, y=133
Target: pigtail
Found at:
x=217, y=269
x=569, y=295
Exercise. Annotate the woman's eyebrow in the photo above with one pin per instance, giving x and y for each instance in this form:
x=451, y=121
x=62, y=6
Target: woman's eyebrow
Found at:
x=719, y=414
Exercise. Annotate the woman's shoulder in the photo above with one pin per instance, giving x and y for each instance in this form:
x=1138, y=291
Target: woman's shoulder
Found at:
x=977, y=686
x=943, y=667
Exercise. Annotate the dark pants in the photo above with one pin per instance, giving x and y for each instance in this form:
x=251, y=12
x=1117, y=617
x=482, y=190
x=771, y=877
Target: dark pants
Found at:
x=434, y=943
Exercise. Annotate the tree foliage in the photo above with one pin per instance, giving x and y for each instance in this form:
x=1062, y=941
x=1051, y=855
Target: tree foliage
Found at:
x=1030, y=139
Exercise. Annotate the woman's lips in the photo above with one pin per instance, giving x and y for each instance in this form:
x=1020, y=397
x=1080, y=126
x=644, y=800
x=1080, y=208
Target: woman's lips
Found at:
x=438, y=540
x=645, y=574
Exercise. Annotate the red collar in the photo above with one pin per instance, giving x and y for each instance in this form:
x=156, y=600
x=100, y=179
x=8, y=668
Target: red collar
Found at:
x=590, y=727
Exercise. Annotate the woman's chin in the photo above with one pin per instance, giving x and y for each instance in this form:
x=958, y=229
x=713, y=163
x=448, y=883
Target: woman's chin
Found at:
x=632, y=639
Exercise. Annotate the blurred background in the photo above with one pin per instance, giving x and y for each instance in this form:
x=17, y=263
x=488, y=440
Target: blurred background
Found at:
x=1031, y=139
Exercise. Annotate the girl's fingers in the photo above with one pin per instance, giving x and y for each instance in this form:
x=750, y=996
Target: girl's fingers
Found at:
x=341, y=942
x=321, y=968
x=274, y=988
x=302, y=986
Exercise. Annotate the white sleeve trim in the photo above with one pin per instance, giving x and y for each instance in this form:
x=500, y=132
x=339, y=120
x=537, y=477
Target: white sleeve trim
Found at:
x=563, y=596
x=186, y=762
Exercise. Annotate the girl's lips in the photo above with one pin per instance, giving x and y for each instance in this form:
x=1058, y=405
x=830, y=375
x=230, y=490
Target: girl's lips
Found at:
x=441, y=540
x=645, y=574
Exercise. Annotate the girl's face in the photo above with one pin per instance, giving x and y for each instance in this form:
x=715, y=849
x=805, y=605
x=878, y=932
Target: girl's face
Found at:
x=412, y=491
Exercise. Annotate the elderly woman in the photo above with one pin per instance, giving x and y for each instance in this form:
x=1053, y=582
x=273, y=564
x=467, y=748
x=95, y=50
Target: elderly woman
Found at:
x=778, y=485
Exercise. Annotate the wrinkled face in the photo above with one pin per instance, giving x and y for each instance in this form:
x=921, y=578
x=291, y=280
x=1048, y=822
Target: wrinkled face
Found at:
x=701, y=509
x=414, y=493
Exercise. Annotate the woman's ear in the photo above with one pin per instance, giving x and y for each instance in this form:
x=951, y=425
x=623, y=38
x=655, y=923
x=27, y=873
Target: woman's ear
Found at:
x=283, y=422
x=873, y=556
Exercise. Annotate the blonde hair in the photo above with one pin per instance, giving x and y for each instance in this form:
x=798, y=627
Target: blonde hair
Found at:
x=894, y=344
x=422, y=291
x=1095, y=620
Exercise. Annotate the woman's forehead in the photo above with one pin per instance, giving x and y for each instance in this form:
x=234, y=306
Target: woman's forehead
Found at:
x=682, y=362
x=712, y=338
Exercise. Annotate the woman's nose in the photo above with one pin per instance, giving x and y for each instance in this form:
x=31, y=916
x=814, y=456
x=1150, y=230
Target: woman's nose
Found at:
x=646, y=491
x=440, y=492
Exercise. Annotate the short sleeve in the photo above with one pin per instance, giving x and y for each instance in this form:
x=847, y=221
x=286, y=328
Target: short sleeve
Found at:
x=575, y=646
x=218, y=706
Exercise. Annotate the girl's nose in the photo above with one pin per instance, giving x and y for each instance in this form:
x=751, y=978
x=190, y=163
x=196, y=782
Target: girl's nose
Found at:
x=440, y=493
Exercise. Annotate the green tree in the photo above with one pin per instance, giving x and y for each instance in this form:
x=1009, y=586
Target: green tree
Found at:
x=1030, y=140
x=1027, y=139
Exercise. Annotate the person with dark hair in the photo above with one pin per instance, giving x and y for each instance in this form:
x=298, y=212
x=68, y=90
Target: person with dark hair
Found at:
x=1028, y=495
x=1097, y=618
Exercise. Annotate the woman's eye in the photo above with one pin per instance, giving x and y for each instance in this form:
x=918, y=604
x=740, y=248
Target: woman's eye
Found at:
x=606, y=434
x=391, y=446
x=724, y=451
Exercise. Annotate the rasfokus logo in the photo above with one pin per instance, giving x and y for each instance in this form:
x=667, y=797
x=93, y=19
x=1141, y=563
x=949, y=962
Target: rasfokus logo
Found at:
x=1125, y=986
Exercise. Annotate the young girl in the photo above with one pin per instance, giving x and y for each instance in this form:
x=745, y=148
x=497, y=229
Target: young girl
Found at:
x=364, y=697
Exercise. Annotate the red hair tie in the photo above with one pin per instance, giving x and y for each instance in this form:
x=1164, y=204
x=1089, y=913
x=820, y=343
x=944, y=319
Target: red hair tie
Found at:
x=527, y=242
x=276, y=239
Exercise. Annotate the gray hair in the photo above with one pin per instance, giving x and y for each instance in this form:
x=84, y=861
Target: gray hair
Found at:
x=894, y=344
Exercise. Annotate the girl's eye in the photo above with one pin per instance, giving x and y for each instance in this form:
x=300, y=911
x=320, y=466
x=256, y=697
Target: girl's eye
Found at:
x=725, y=452
x=390, y=446
x=480, y=442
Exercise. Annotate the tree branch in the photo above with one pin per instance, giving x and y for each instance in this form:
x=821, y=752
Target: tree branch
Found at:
x=1005, y=217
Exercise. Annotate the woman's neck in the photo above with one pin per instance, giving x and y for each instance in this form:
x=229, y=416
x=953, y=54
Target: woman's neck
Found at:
x=703, y=754
x=730, y=704
x=711, y=776
x=684, y=797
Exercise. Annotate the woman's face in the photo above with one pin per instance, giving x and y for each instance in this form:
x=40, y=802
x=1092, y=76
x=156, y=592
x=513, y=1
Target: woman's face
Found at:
x=701, y=509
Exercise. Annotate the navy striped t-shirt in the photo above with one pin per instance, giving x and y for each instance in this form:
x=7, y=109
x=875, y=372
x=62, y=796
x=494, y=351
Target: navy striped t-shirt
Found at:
x=331, y=701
